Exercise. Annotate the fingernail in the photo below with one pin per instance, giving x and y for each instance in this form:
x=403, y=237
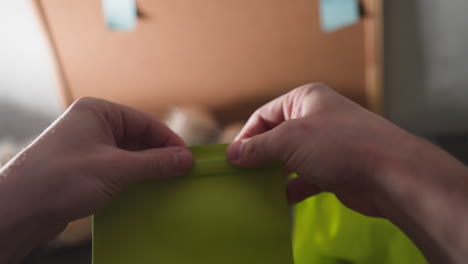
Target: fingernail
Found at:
x=183, y=160
x=233, y=152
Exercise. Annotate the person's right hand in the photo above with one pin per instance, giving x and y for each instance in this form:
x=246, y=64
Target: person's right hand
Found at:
x=371, y=165
x=332, y=143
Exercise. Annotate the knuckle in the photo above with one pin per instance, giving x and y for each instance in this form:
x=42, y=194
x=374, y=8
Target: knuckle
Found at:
x=92, y=104
x=316, y=97
x=95, y=106
x=249, y=148
x=154, y=162
x=159, y=166
x=85, y=102
x=313, y=88
x=253, y=147
x=320, y=86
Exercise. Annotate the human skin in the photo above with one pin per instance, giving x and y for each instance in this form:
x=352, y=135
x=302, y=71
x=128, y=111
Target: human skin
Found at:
x=371, y=165
x=97, y=148
x=76, y=166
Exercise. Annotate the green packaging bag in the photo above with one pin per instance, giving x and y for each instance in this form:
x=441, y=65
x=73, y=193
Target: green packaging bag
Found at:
x=216, y=214
x=327, y=232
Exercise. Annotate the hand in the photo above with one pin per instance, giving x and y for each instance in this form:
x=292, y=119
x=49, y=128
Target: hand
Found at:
x=78, y=164
x=371, y=165
x=332, y=143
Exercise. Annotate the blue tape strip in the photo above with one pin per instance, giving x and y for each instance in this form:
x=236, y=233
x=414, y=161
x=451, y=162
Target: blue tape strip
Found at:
x=336, y=14
x=120, y=15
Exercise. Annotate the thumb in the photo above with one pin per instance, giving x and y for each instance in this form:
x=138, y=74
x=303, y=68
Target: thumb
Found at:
x=255, y=151
x=159, y=163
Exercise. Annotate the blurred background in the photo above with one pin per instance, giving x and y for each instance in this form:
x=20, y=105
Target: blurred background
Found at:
x=425, y=79
x=29, y=97
x=426, y=66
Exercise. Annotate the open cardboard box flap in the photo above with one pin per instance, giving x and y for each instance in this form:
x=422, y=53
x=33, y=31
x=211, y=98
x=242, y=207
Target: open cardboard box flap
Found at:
x=230, y=56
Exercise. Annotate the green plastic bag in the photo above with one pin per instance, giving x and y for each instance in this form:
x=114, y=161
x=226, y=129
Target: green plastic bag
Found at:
x=222, y=214
x=216, y=214
x=326, y=231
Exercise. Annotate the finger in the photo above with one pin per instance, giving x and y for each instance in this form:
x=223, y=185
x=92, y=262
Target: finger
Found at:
x=283, y=108
x=299, y=189
x=139, y=126
x=131, y=127
x=264, y=119
x=158, y=163
x=255, y=151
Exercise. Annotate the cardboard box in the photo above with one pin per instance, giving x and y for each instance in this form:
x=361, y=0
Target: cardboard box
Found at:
x=229, y=56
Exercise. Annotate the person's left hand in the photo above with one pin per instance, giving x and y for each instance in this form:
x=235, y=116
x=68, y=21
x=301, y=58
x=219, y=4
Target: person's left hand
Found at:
x=77, y=165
